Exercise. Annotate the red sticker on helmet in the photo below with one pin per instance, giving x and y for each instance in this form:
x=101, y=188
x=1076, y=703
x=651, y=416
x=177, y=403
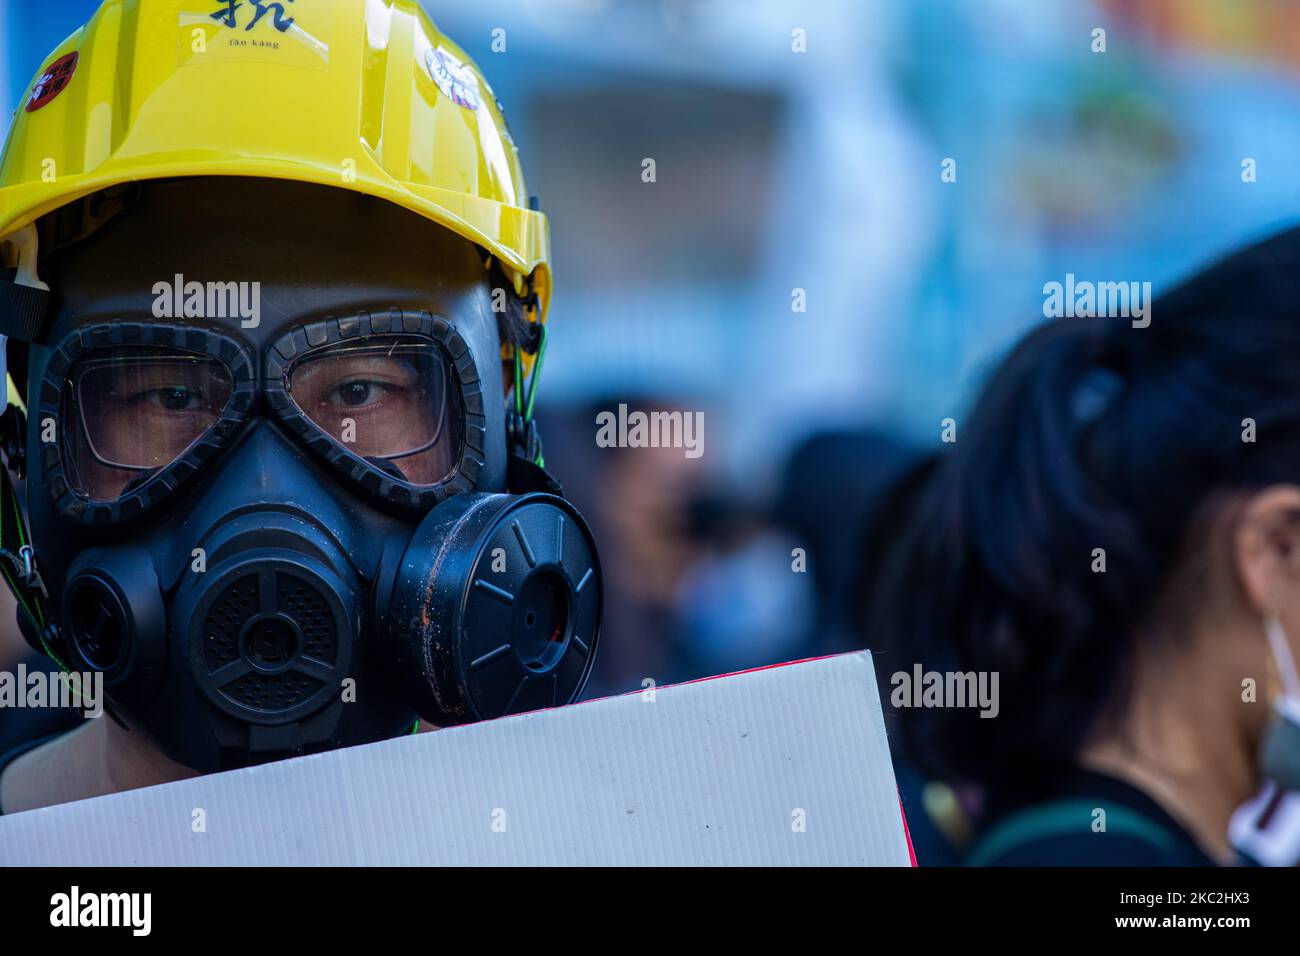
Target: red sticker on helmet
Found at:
x=51, y=83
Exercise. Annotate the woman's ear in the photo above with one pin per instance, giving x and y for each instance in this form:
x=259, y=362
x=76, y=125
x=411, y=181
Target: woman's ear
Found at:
x=1266, y=549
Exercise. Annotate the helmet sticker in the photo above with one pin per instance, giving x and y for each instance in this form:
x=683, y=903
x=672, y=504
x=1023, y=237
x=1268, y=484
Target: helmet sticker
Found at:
x=51, y=83
x=284, y=32
x=456, y=80
x=260, y=9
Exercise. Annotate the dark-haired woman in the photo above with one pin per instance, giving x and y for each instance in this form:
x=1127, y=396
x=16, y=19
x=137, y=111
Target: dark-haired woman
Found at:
x=1116, y=534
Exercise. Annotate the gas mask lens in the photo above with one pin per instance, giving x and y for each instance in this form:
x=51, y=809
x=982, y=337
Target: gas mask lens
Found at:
x=388, y=399
x=132, y=411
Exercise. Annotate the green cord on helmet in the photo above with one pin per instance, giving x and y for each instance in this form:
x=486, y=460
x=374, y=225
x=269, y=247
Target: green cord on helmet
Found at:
x=524, y=406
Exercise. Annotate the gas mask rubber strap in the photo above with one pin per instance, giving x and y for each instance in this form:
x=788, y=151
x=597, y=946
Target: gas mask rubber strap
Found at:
x=522, y=436
x=526, y=465
x=523, y=475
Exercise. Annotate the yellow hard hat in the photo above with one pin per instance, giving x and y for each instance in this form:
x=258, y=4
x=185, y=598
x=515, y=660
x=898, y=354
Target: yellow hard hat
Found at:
x=366, y=95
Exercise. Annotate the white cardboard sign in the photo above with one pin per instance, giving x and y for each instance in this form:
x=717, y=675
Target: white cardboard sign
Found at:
x=785, y=765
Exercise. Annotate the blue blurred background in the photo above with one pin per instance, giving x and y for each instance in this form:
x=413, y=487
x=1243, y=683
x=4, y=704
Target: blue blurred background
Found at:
x=820, y=171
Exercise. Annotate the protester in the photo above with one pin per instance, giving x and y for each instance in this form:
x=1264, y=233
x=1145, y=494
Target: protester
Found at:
x=284, y=480
x=1113, y=545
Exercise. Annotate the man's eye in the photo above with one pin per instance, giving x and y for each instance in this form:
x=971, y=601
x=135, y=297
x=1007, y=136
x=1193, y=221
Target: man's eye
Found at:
x=358, y=392
x=174, y=399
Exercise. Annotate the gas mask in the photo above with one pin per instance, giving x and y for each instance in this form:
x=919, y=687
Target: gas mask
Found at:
x=289, y=535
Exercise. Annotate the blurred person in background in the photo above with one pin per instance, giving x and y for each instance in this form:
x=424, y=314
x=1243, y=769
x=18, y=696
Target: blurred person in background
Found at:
x=937, y=821
x=835, y=493
x=638, y=500
x=708, y=576
x=1116, y=535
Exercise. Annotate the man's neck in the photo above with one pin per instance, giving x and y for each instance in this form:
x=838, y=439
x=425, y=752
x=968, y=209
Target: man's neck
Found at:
x=98, y=758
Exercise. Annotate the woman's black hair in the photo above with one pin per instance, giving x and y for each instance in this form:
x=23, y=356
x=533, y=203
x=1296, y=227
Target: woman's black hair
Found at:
x=1094, y=440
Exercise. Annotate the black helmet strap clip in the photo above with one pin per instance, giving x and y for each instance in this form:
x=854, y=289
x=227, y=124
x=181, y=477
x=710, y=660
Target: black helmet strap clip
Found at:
x=26, y=303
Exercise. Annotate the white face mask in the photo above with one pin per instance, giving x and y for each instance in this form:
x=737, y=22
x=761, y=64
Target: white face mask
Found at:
x=1267, y=828
x=1279, y=757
